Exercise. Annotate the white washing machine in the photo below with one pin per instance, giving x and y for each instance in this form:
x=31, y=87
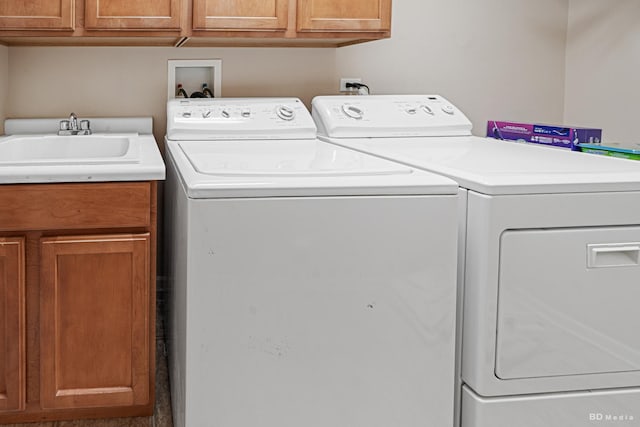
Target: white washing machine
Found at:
x=549, y=262
x=311, y=285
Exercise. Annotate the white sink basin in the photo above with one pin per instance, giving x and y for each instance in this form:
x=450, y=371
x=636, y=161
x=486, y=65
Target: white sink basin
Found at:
x=28, y=150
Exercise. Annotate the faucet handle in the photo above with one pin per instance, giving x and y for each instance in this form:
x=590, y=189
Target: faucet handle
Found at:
x=64, y=124
x=85, y=127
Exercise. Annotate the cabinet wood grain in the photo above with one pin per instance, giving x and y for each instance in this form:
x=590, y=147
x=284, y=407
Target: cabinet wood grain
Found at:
x=37, y=15
x=94, y=322
x=12, y=324
x=338, y=15
x=258, y=15
x=132, y=15
x=72, y=206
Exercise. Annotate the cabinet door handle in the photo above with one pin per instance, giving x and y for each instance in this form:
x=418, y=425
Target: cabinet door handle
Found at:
x=613, y=255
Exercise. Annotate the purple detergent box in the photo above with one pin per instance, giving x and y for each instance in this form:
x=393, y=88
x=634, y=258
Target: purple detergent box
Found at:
x=554, y=136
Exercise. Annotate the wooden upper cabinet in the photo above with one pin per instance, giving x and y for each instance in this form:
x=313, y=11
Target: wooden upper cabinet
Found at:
x=12, y=324
x=341, y=15
x=94, y=321
x=132, y=15
x=37, y=15
x=245, y=15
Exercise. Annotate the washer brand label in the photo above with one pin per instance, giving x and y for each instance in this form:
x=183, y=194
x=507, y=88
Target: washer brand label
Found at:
x=599, y=417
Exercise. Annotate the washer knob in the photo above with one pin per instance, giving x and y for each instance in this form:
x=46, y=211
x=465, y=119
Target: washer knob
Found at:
x=285, y=113
x=427, y=109
x=186, y=114
x=225, y=114
x=246, y=113
x=206, y=114
x=448, y=109
x=411, y=111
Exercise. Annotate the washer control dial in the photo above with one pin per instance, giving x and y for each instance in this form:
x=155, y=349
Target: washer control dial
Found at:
x=353, y=111
x=285, y=113
x=225, y=114
x=206, y=114
x=427, y=109
x=448, y=109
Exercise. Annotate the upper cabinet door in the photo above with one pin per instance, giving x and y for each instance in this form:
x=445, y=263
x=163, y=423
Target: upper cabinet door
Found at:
x=132, y=15
x=37, y=15
x=341, y=15
x=260, y=15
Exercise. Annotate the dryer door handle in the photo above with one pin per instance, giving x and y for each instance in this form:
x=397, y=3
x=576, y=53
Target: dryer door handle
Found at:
x=613, y=255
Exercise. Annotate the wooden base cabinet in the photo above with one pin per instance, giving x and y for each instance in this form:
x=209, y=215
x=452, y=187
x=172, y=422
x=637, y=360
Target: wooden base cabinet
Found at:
x=94, y=326
x=77, y=301
x=12, y=324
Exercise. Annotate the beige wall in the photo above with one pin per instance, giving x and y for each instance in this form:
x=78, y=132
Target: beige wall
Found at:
x=603, y=64
x=103, y=81
x=494, y=59
x=4, y=84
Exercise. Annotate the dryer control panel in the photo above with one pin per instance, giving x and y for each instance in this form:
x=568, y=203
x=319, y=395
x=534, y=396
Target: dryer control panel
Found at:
x=238, y=118
x=385, y=116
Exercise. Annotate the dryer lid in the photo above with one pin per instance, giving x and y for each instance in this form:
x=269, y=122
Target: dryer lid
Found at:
x=494, y=167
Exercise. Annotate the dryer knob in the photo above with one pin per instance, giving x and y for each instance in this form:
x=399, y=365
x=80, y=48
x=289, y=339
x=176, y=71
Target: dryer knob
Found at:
x=206, y=114
x=186, y=114
x=225, y=114
x=353, y=111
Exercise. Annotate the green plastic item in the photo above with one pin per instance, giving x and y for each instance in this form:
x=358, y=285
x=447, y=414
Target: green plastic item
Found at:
x=613, y=150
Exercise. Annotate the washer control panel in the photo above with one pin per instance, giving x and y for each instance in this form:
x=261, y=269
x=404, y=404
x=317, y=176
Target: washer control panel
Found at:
x=238, y=118
x=388, y=116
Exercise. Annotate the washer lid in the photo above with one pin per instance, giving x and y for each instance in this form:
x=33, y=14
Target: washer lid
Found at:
x=491, y=166
x=294, y=168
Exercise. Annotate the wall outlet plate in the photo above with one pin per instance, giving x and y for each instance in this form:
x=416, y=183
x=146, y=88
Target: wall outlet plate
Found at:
x=345, y=80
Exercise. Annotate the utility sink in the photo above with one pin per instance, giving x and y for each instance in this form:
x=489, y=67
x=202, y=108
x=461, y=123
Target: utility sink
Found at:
x=25, y=150
x=119, y=149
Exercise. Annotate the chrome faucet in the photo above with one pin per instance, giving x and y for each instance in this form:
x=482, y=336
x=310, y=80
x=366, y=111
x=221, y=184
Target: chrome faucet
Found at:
x=70, y=127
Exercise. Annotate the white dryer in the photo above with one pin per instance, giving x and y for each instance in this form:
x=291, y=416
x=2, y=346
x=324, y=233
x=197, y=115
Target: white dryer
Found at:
x=311, y=285
x=549, y=260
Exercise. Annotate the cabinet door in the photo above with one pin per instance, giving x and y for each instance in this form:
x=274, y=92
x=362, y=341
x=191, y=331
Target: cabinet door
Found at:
x=132, y=15
x=240, y=14
x=36, y=15
x=340, y=15
x=94, y=321
x=12, y=324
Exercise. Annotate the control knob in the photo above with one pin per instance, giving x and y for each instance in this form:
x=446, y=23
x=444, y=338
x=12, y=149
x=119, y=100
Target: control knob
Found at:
x=427, y=109
x=448, y=109
x=285, y=113
x=353, y=111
